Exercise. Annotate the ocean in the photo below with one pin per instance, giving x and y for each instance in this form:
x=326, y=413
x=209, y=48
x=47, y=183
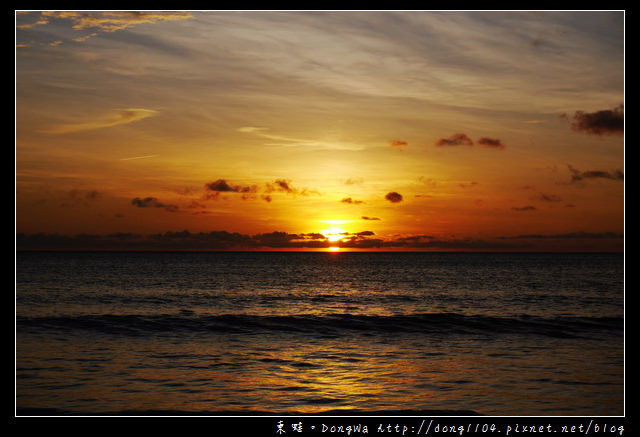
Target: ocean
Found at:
x=261, y=333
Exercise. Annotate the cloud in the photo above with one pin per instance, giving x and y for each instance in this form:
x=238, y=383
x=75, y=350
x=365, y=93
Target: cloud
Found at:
x=460, y=139
x=285, y=186
x=351, y=201
x=393, y=197
x=524, y=208
x=549, y=198
x=224, y=240
x=221, y=185
x=400, y=144
x=354, y=181
x=103, y=21
x=281, y=185
x=469, y=185
x=490, y=143
x=278, y=140
x=115, y=118
x=432, y=242
x=83, y=198
x=455, y=140
x=152, y=202
x=364, y=217
x=215, y=188
x=569, y=235
x=577, y=175
x=608, y=121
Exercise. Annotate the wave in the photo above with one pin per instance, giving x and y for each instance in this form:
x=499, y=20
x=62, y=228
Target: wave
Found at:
x=329, y=325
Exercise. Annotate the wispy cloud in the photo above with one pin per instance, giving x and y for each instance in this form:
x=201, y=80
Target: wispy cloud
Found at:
x=133, y=158
x=115, y=118
x=287, y=141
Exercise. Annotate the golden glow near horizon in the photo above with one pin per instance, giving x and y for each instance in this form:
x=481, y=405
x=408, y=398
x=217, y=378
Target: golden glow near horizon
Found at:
x=373, y=130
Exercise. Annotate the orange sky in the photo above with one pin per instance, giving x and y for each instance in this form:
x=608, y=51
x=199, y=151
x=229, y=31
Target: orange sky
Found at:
x=253, y=130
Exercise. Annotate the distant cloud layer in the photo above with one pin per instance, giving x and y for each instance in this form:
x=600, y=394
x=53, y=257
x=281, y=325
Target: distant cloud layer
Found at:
x=224, y=240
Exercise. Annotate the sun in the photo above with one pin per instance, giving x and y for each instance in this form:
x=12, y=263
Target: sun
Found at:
x=334, y=249
x=334, y=234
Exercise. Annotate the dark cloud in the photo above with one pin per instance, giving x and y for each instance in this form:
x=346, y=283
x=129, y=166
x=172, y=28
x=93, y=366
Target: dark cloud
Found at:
x=152, y=202
x=577, y=175
x=248, y=192
x=455, y=140
x=223, y=240
x=222, y=186
x=364, y=217
x=275, y=239
x=432, y=242
x=608, y=121
x=314, y=236
x=281, y=185
x=550, y=198
x=490, y=143
x=351, y=201
x=393, y=197
x=524, y=208
x=469, y=185
x=460, y=139
x=354, y=181
x=83, y=198
x=364, y=234
x=568, y=235
x=285, y=186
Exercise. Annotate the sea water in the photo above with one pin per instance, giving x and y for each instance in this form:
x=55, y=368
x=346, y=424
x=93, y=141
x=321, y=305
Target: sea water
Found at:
x=219, y=333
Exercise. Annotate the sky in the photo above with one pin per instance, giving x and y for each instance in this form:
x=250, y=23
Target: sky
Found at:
x=311, y=130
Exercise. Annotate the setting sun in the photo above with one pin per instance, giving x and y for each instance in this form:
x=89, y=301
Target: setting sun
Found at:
x=334, y=234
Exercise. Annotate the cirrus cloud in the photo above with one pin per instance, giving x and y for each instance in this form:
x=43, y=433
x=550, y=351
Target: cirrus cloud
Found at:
x=114, y=118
